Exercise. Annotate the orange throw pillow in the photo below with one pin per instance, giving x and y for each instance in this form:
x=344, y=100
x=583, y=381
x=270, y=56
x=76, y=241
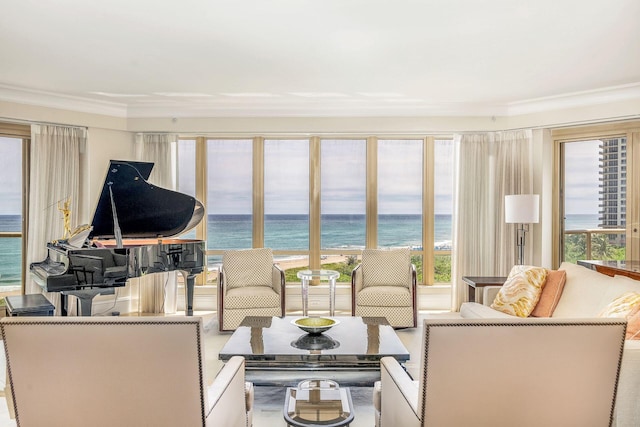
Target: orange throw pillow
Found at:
x=633, y=324
x=551, y=293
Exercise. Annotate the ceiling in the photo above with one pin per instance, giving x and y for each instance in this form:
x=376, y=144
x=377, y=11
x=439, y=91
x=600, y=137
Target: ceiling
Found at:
x=160, y=58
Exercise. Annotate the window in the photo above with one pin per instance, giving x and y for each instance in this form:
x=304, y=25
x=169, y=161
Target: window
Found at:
x=596, y=199
x=343, y=193
x=443, y=206
x=11, y=215
x=229, y=194
x=594, y=195
x=400, y=193
x=286, y=194
x=318, y=201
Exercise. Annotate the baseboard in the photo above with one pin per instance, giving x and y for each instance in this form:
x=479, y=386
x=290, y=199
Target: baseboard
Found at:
x=106, y=307
x=437, y=297
x=204, y=298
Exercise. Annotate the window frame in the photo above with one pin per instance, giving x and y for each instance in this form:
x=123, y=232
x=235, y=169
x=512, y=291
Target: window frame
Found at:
x=631, y=131
x=22, y=132
x=315, y=252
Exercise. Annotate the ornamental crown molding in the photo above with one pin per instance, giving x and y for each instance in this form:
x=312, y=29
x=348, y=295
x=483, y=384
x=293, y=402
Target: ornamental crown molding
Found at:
x=286, y=107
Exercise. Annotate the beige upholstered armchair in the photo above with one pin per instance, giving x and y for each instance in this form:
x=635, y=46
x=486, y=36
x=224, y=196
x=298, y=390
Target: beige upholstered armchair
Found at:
x=249, y=285
x=384, y=285
x=119, y=371
x=506, y=372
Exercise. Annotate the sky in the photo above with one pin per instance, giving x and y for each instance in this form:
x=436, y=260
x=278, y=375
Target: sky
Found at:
x=582, y=163
x=10, y=176
x=343, y=176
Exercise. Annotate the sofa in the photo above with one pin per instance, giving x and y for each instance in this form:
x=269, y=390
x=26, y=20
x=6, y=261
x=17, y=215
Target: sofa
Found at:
x=119, y=371
x=586, y=294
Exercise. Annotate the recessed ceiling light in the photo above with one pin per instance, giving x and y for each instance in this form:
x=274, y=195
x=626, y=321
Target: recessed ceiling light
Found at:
x=320, y=94
x=119, y=95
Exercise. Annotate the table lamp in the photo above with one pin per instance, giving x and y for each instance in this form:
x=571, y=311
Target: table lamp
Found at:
x=521, y=209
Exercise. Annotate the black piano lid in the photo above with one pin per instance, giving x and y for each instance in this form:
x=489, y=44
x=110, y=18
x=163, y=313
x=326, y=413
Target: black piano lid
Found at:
x=143, y=209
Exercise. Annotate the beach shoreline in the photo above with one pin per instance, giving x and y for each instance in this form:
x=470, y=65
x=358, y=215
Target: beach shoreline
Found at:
x=304, y=262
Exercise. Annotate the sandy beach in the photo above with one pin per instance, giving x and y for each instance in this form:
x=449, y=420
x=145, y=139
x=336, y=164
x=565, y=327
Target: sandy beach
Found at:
x=304, y=262
x=212, y=274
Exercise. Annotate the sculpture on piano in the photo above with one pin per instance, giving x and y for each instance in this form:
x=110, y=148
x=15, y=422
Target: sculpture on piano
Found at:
x=76, y=238
x=131, y=234
x=66, y=217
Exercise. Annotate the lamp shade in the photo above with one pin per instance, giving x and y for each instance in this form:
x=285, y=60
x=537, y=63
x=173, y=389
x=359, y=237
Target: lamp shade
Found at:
x=522, y=208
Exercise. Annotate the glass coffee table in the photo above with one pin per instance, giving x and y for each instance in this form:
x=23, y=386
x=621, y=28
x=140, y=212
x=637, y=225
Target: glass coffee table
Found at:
x=277, y=352
x=317, y=402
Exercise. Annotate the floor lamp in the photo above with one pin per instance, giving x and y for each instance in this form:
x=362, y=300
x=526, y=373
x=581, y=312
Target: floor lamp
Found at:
x=521, y=209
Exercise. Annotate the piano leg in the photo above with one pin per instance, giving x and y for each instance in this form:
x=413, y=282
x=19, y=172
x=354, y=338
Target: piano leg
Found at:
x=63, y=304
x=85, y=298
x=189, y=280
x=85, y=306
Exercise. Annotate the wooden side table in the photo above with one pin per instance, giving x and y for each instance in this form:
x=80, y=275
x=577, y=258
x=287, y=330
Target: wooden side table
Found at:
x=475, y=282
x=629, y=268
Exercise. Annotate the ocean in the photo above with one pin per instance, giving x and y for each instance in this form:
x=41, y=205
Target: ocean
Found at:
x=284, y=232
x=290, y=232
x=10, y=251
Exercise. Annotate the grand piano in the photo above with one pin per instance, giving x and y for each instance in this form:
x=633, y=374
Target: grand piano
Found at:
x=133, y=234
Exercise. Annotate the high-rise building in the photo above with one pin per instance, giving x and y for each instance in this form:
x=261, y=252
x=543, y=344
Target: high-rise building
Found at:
x=613, y=182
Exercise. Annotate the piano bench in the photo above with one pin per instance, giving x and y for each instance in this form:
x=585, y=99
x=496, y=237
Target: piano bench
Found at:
x=29, y=305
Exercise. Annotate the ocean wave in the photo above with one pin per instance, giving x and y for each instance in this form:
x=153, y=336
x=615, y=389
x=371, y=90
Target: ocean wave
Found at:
x=442, y=246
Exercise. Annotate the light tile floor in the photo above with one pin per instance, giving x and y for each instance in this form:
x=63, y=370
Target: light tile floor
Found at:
x=269, y=401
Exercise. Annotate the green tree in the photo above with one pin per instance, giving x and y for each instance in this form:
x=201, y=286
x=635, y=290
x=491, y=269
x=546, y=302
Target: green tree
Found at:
x=442, y=269
x=575, y=247
x=417, y=261
x=601, y=247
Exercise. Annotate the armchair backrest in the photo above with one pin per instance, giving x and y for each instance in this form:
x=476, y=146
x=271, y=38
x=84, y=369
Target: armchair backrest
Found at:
x=524, y=372
x=386, y=267
x=106, y=371
x=248, y=267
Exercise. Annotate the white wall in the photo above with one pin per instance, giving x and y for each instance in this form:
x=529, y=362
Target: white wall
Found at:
x=103, y=145
x=543, y=169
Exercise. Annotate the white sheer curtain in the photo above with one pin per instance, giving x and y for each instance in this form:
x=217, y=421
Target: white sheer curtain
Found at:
x=158, y=292
x=54, y=178
x=487, y=167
